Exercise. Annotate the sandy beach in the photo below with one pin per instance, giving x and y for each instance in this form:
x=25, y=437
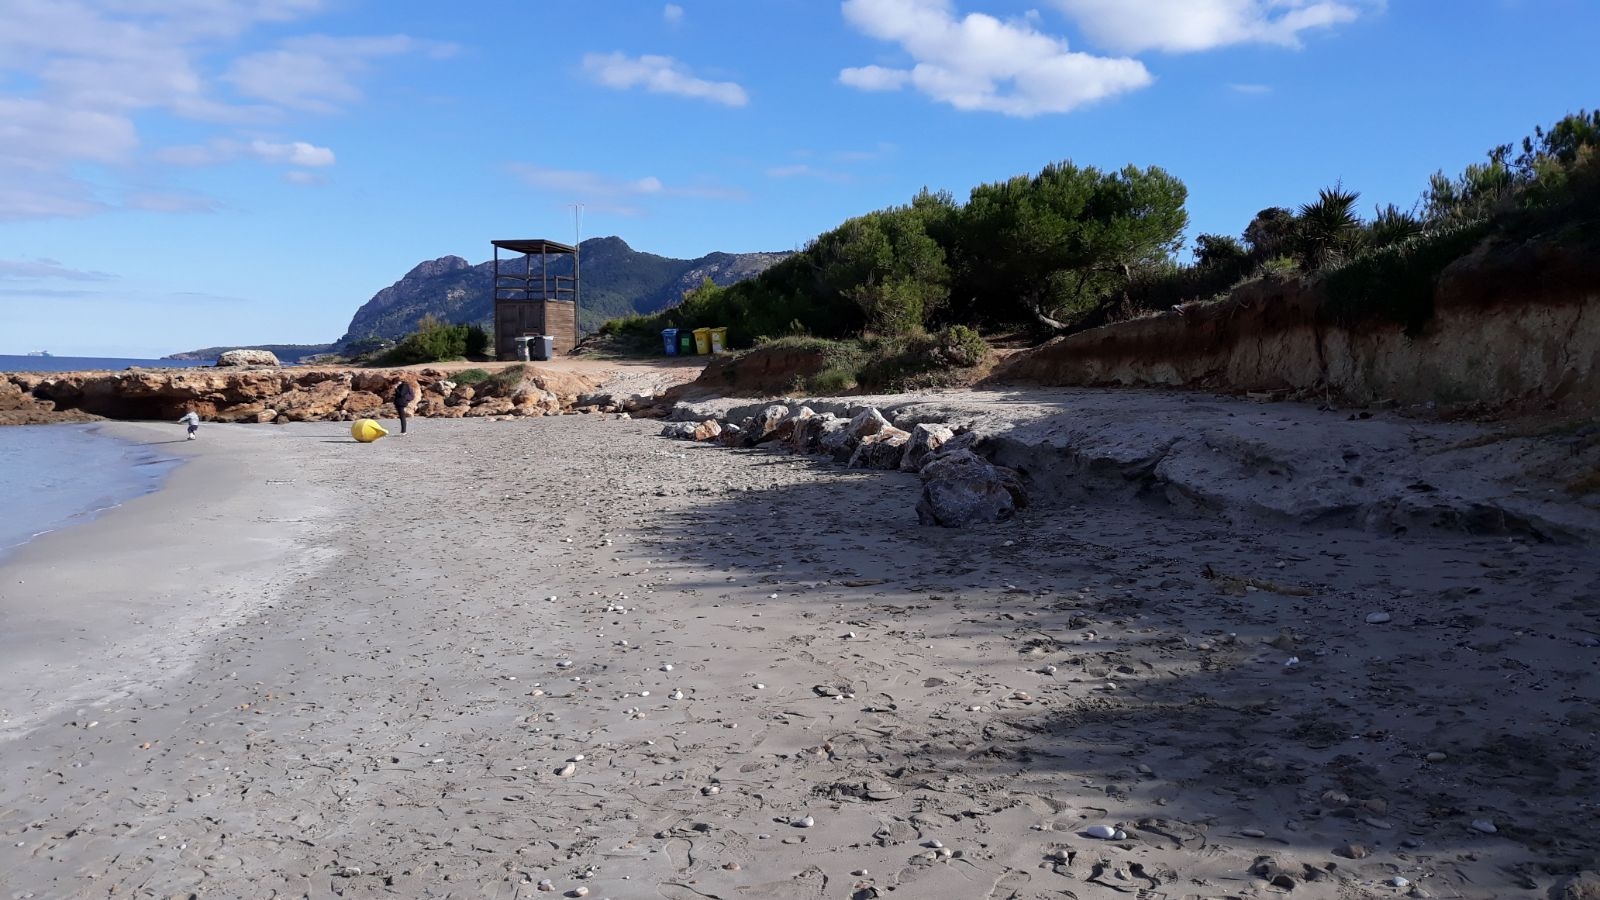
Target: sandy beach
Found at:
x=566, y=657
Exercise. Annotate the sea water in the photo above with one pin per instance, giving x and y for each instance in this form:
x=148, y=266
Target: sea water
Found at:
x=56, y=476
x=90, y=363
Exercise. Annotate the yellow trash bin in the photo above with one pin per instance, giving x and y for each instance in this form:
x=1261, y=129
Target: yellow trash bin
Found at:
x=719, y=340
x=702, y=340
x=366, y=431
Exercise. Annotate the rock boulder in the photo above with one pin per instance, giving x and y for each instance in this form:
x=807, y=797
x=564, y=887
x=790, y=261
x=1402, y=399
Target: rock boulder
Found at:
x=247, y=358
x=925, y=440
x=962, y=488
x=882, y=450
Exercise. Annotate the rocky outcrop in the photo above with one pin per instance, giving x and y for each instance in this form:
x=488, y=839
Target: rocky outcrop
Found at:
x=960, y=487
x=280, y=395
x=247, y=358
x=1512, y=324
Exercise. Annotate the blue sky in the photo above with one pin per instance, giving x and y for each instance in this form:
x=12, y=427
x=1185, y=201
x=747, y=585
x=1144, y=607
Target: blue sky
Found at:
x=184, y=173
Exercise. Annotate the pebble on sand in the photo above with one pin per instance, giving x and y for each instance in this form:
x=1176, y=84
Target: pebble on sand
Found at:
x=1485, y=826
x=1105, y=832
x=804, y=822
x=1378, y=618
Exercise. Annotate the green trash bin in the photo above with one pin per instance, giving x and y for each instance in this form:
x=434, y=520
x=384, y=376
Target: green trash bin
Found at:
x=685, y=342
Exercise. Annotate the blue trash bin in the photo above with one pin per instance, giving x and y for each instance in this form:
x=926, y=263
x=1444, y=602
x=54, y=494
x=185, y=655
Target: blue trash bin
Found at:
x=669, y=337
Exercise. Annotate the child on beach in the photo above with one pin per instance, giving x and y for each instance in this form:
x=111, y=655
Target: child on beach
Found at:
x=192, y=419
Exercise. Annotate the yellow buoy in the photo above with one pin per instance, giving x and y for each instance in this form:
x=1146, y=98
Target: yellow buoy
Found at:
x=366, y=431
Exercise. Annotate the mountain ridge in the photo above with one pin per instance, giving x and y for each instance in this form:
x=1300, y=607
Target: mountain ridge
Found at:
x=616, y=280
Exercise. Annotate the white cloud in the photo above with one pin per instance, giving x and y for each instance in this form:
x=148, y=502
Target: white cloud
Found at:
x=302, y=177
x=1185, y=26
x=1250, y=88
x=660, y=75
x=298, y=153
x=223, y=150
x=615, y=195
x=875, y=78
x=81, y=75
x=980, y=63
x=41, y=267
x=673, y=13
x=317, y=72
x=802, y=170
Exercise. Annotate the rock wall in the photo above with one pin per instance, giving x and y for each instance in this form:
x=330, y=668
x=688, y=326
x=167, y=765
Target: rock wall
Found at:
x=1511, y=325
x=277, y=395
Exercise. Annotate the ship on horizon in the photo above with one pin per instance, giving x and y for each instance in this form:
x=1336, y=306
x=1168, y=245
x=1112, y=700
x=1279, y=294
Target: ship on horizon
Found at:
x=44, y=353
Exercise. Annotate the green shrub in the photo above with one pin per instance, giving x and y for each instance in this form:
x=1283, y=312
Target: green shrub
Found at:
x=433, y=341
x=959, y=346
x=470, y=376
x=506, y=380
x=477, y=343
x=1397, y=283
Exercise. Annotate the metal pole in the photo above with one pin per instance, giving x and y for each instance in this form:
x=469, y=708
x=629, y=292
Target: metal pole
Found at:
x=577, y=282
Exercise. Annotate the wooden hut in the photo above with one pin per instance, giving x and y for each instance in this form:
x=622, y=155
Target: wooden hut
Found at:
x=530, y=300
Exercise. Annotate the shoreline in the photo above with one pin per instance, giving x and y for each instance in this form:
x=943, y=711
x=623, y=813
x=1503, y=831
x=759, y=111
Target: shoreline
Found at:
x=122, y=588
x=567, y=650
x=142, y=472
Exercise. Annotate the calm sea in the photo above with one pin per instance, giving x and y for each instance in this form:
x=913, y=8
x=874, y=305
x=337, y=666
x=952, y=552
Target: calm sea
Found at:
x=55, y=476
x=89, y=363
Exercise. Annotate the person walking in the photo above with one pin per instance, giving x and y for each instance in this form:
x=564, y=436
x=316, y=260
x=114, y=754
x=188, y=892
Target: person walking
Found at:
x=191, y=419
x=404, y=395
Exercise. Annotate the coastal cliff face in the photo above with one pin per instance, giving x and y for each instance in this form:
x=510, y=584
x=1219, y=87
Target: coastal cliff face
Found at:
x=277, y=395
x=1511, y=325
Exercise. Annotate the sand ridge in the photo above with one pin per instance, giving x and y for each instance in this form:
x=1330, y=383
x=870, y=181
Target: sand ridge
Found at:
x=954, y=712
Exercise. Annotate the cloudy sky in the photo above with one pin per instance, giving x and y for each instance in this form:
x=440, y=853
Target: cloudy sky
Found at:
x=182, y=173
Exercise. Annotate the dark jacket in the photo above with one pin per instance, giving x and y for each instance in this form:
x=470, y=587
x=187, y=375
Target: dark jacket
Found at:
x=404, y=393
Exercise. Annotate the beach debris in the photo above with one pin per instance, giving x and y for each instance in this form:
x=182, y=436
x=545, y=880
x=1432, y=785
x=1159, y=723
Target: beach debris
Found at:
x=803, y=822
x=1485, y=826
x=1105, y=833
x=1378, y=618
x=1352, y=851
x=546, y=884
x=667, y=667
x=676, y=695
x=347, y=872
x=564, y=664
x=566, y=770
x=1399, y=882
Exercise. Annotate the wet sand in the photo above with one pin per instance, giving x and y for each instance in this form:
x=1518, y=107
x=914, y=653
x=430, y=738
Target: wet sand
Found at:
x=312, y=668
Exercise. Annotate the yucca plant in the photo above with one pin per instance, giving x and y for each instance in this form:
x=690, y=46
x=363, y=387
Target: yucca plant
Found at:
x=1390, y=226
x=1329, y=229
